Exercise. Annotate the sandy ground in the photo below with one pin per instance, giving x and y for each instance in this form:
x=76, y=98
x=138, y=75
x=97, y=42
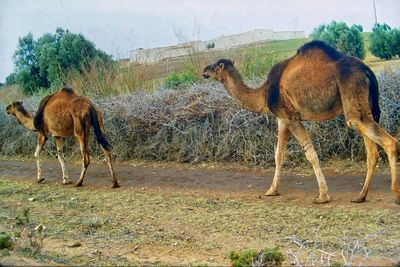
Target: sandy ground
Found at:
x=296, y=186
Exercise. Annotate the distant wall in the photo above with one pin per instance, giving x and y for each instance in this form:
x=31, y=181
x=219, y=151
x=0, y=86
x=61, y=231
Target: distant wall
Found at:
x=220, y=43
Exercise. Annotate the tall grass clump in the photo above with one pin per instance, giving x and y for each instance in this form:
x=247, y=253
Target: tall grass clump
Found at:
x=257, y=64
x=202, y=123
x=107, y=79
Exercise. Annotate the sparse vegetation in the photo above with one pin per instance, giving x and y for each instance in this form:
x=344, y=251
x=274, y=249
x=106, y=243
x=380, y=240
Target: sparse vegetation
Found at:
x=137, y=223
x=251, y=257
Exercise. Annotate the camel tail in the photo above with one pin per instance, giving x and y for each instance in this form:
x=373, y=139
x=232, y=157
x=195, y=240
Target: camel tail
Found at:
x=94, y=118
x=374, y=95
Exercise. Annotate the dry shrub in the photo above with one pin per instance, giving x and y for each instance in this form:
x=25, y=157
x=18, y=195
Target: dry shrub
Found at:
x=203, y=123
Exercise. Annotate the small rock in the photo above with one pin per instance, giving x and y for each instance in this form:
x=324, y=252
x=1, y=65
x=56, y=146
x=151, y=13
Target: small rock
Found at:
x=74, y=245
x=31, y=199
x=40, y=228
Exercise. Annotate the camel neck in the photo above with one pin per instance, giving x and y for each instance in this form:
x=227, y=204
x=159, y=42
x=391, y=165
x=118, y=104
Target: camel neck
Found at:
x=253, y=100
x=25, y=120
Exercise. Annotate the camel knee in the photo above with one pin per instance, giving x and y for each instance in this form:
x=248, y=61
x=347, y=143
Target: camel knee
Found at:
x=312, y=156
x=86, y=161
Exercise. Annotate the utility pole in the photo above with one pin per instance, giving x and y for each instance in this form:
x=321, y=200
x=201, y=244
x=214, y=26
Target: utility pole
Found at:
x=376, y=19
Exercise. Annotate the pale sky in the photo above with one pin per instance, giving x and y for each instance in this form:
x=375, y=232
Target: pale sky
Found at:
x=118, y=26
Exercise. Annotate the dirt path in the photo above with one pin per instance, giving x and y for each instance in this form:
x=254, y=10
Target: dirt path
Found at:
x=295, y=188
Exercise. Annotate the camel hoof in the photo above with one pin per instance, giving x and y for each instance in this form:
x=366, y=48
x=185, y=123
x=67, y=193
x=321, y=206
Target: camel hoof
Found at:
x=272, y=192
x=78, y=184
x=66, y=182
x=40, y=180
x=358, y=199
x=322, y=199
x=397, y=201
x=116, y=185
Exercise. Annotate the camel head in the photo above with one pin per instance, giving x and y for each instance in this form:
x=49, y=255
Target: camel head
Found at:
x=218, y=70
x=16, y=107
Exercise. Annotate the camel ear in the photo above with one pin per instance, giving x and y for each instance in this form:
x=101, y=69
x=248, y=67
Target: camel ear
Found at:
x=221, y=65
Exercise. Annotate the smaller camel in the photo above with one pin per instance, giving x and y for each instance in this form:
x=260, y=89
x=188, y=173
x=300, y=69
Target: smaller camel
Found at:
x=64, y=114
x=316, y=84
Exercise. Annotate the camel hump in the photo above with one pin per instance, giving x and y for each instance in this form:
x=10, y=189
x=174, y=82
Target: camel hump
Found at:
x=68, y=89
x=330, y=51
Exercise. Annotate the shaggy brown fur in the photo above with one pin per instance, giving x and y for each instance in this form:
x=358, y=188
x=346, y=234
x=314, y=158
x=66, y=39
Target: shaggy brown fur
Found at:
x=316, y=84
x=64, y=114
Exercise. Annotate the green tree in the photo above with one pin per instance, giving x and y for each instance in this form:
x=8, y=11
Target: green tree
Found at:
x=344, y=38
x=11, y=79
x=380, y=43
x=395, y=41
x=45, y=63
x=385, y=41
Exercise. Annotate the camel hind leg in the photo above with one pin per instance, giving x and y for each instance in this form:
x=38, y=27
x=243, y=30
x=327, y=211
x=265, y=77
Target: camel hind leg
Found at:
x=61, y=160
x=81, y=136
x=41, y=140
x=372, y=130
x=107, y=154
x=355, y=96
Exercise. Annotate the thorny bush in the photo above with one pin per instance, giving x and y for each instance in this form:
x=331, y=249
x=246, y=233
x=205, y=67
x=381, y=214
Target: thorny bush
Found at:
x=202, y=123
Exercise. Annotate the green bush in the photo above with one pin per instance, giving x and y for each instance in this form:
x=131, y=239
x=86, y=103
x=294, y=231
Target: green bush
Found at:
x=344, y=38
x=5, y=241
x=385, y=42
x=186, y=77
x=251, y=257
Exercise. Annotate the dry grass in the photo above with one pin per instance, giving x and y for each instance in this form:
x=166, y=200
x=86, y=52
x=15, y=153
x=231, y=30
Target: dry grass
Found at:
x=136, y=226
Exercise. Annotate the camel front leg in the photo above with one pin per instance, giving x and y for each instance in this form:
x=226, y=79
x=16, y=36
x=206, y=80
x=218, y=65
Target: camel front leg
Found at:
x=41, y=140
x=372, y=160
x=283, y=137
x=297, y=129
x=61, y=160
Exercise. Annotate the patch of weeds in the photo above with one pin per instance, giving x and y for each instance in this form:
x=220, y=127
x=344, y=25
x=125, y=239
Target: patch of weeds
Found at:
x=5, y=241
x=25, y=252
x=252, y=257
x=91, y=225
x=24, y=218
x=36, y=236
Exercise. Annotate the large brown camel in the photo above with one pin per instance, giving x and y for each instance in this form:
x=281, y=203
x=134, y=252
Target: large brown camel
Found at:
x=316, y=84
x=64, y=114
